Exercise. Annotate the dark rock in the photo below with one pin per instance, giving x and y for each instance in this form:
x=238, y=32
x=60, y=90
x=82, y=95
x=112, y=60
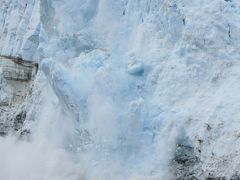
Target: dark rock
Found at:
x=19, y=120
x=235, y=177
x=216, y=178
x=185, y=154
x=186, y=164
x=2, y=133
x=25, y=131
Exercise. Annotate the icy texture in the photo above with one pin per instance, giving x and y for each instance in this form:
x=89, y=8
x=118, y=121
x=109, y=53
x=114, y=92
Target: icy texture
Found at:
x=122, y=83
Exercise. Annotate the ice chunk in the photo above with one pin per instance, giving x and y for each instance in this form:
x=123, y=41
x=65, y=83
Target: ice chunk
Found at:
x=135, y=67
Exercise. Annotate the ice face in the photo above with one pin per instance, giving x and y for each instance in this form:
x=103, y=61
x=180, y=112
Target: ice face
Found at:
x=121, y=82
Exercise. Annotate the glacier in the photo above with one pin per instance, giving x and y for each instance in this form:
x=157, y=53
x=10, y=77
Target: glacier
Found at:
x=128, y=89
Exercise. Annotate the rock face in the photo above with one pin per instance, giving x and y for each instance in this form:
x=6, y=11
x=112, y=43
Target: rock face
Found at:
x=16, y=80
x=16, y=69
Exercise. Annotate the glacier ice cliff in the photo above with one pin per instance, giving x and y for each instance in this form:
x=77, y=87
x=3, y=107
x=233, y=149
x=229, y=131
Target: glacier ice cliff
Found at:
x=125, y=89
